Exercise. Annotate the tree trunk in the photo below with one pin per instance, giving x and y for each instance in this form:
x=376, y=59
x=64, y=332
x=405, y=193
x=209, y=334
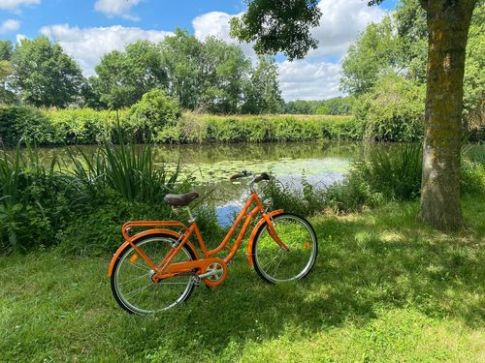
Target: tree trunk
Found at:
x=448, y=23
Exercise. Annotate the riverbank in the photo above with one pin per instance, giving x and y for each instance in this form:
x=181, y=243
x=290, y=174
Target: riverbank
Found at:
x=88, y=126
x=384, y=284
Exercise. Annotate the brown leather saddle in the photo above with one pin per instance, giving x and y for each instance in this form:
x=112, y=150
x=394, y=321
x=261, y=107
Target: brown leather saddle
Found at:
x=180, y=200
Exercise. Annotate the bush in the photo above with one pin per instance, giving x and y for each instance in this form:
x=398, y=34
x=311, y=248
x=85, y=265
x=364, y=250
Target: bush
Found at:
x=392, y=111
x=83, y=125
x=36, y=202
x=149, y=116
x=82, y=209
x=26, y=124
x=306, y=201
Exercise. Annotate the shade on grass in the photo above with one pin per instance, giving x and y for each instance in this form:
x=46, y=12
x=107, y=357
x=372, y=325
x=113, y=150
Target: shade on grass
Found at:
x=385, y=288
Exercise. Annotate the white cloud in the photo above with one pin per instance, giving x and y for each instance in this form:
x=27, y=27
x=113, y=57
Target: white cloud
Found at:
x=306, y=80
x=88, y=45
x=14, y=4
x=116, y=8
x=342, y=21
x=9, y=25
x=216, y=24
x=20, y=37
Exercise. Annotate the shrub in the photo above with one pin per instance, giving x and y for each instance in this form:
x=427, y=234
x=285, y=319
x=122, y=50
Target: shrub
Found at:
x=305, y=201
x=83, y=125
x=152, y=114
x=392, y=111
x=395, y=172
x=36, y=202
x=26, y=124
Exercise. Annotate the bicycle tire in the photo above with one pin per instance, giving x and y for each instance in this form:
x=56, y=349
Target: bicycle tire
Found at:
x=257, y=248
x=121, y=299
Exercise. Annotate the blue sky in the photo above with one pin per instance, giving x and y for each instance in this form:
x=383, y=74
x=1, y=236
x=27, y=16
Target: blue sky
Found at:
x=89, y=28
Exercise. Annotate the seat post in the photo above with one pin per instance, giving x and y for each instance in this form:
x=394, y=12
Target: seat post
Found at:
x=191, y=217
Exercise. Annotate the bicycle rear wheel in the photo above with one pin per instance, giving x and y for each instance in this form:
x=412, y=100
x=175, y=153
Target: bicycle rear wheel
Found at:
x=274, y=264
x=131, y=281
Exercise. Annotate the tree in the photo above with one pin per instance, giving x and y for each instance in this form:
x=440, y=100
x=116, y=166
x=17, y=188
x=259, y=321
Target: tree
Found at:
x=6, y=96
x=44, y=74
x=182, y=54
x=225, y=74
x=6, y=49
x=263, y=94
x=123, y=77
x=374, y=54
x=6, y=70
x=447, y=22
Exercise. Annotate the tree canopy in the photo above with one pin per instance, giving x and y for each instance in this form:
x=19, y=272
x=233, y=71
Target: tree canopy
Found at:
x=44, y=74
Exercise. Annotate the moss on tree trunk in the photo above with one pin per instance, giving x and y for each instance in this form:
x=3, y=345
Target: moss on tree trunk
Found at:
x=448, y=23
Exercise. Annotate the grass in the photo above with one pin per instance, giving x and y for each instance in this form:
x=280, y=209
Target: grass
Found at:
x=385, y=288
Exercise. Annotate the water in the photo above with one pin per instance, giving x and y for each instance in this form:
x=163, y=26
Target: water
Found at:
x=321, y=164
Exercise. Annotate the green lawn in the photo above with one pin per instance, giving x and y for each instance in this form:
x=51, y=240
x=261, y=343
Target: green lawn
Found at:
x=384, y=289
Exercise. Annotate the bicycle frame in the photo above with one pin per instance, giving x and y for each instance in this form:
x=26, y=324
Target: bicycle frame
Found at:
x=164, y=269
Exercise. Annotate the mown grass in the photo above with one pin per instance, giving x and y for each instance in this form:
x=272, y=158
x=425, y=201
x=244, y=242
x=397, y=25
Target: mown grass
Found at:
x=385, y=288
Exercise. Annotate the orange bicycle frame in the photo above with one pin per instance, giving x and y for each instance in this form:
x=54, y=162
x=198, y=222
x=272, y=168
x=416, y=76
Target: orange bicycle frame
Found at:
x=164, y=269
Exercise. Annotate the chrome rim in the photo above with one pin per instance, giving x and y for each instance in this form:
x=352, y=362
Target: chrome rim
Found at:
x=278, y=265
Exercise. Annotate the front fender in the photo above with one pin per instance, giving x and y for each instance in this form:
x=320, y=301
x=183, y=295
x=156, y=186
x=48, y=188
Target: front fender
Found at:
x=137, y=236
x=255, y=230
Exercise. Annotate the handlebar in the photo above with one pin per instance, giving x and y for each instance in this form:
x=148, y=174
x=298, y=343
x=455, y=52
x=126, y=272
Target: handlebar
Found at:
x=239, y=175
x=256, y=179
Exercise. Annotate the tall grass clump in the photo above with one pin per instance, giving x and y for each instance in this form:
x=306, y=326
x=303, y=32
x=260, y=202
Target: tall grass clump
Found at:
x=395, y=172
x=126, y=169
x=473, y=170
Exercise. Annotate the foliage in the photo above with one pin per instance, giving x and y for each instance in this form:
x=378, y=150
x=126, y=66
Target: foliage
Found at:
x=306, y=201
x=182, y=54
x=126, y=169
x=263, y=94
x=331, y=106
x=24, y=124
x=124, y=76
x=78, y=126
x=146, y=121
x=278, y=26
x=224, y=73
x=374, y=54
x=396, y=173
x=392, y=111
x=35, y=202
x=474, y=81
x=44, y=74
x=399, y=45
x=6, y=70
x=152, y=114
x=81, y=206
x=6, y=50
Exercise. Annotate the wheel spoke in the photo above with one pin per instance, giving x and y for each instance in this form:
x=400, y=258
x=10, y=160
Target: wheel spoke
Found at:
x=275, y=265
x=133, y=292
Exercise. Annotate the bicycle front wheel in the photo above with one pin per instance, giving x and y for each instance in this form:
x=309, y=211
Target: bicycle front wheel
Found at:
x=131, y=281
x=274, y=264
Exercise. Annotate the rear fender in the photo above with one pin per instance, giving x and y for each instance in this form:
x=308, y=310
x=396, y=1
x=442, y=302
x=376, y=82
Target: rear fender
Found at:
x=148, y=232
x=254, y=232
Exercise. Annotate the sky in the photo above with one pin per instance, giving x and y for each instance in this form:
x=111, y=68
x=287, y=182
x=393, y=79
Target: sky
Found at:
x=87, y=29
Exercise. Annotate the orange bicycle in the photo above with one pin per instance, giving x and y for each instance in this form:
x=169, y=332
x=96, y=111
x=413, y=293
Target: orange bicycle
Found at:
x=158, y=267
